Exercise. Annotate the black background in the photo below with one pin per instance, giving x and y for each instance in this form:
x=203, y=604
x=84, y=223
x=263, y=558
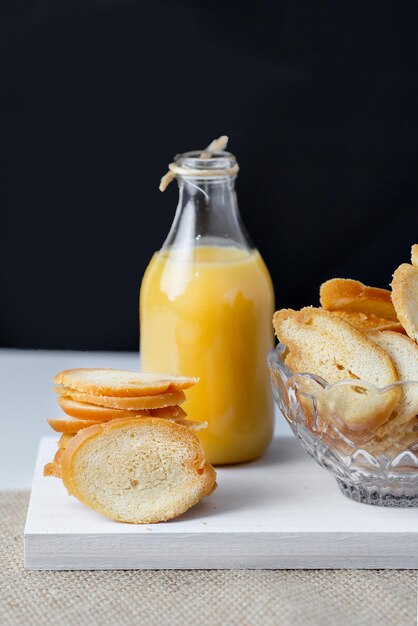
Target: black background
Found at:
x=319, y=100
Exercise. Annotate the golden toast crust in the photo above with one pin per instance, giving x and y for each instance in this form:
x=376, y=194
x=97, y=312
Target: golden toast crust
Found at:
x=64, y=440
x=345, y=294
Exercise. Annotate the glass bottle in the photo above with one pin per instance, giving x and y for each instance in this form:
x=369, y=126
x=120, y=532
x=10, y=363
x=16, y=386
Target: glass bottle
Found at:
x=206, y=307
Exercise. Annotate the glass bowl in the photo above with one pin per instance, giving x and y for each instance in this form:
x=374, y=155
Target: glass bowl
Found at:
x=369, y=467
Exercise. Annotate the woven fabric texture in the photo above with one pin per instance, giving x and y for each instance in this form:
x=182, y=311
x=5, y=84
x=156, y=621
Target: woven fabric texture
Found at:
x=212, y=597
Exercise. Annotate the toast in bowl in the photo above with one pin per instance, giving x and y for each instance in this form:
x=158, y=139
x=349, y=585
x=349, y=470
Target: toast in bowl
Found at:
x=404, y=354
x=405, y=297
x=345, y=294
x=365, y=322
x=322, y=344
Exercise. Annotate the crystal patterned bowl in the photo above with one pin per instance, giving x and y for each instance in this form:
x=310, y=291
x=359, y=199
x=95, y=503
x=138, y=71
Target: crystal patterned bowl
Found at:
x=366, y=468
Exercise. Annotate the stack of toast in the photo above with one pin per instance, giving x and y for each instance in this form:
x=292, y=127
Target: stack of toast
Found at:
x=366, y=334
x=127, y=448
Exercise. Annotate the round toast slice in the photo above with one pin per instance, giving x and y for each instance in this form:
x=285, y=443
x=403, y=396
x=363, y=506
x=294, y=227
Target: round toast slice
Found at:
x=71, y=425
x=137, y=471
x=345, y=294
x=405, y=297
x=111, y=382
x=366, y=323
x=321, y=343
x=83, y=410
x=139, y=403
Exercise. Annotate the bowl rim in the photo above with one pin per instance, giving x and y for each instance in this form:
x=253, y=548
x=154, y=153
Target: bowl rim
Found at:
x=275, y=359
x=378, y=464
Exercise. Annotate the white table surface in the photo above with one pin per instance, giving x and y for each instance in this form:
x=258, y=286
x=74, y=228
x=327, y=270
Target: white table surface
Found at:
x=281, y=511
x=27, y=400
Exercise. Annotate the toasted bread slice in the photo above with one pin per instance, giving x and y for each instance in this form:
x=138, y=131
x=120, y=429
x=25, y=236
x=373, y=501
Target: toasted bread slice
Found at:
x=140, y=403
x=414, y=255
x=83, y=410
x=405, y=297
x=321, y=343
x=345, y=294
x=365, y=323
x=138, y=471
x=404, y=354
x=72, y=425
x=109, y=382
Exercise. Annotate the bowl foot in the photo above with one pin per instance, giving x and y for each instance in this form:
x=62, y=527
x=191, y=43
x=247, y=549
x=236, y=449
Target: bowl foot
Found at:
x=401, y=496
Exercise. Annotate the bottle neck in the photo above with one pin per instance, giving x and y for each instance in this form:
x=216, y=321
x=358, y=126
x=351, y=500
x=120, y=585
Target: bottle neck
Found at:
x=207, y=214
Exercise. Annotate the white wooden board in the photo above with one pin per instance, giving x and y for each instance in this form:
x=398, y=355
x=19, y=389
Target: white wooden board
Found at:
x=283, y=511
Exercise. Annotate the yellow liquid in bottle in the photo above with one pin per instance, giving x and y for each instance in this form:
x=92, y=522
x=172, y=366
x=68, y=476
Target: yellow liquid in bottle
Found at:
x=208, y=312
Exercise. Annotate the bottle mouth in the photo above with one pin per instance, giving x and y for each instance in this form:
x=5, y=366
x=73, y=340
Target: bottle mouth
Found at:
x=203, y=160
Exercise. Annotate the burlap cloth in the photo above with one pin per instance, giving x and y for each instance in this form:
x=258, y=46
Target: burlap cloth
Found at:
x=213, y=598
